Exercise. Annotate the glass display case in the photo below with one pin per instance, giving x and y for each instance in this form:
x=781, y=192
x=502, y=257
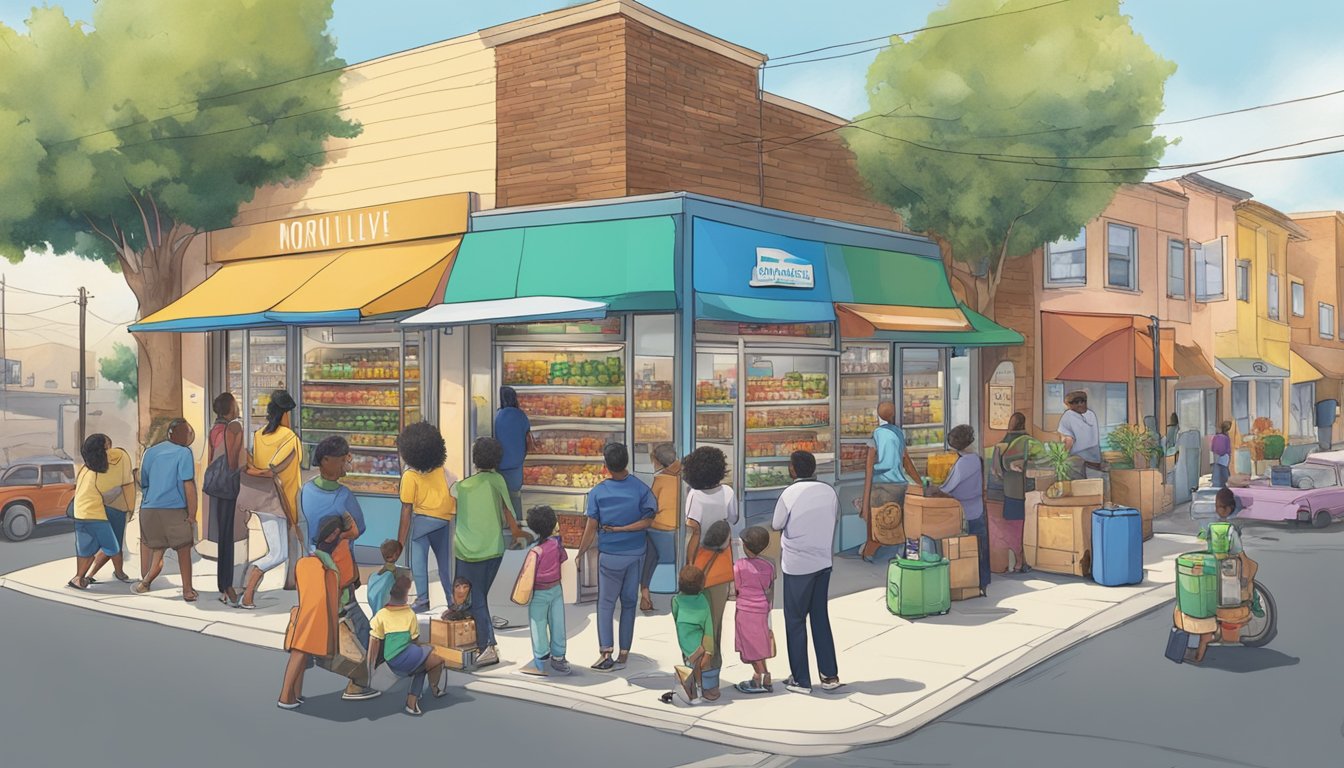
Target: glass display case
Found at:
x=654, y=375
x=254, y=367
x=788, y=407
x=575, y=401
x=923, y=399
x=364, y=386
x=865, y=381
x=716, y=403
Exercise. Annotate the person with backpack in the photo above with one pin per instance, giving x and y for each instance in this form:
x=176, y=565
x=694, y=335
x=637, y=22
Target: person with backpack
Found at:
x=1224, y=541
x=1009, y=465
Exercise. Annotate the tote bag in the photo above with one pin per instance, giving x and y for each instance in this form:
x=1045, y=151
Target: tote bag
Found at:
x=262, y=495
x=527, y=579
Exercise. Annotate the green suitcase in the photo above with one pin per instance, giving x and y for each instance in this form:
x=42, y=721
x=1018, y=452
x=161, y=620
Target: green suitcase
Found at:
x=1197, y=584
x=916, y=588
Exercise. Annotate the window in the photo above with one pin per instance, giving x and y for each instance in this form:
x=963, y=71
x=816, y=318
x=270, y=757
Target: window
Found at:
x=1066, y=260
x=1121, y=252
x=1269, y=400
x=1175, y=268
x=1054, y=397
x=1272, y=295
x=1327, y=321
x=1209, y=270
x=1303, y=410
x=1243, y=281
x=1241, y=406
x=1308, y=476
x=59, y=474
x=1299, y=299
x=26, y=475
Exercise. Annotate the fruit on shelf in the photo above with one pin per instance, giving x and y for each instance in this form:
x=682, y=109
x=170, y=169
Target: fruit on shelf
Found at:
x=343, y=420
x=858, y=422
x=384, y=396
x=357, y=365
x=566, y=370
x=587, y=444
x=713, y=426
x=714, y=393
x=760, y=446
x=793, y=386
x=653, y=396
x=925, y=437
x=759, y=476
x=372, y=441
x=564, y=475
x=573, y=406
x=802, y=416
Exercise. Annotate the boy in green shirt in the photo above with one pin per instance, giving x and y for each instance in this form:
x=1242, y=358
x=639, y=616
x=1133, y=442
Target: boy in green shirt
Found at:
x=695, y=634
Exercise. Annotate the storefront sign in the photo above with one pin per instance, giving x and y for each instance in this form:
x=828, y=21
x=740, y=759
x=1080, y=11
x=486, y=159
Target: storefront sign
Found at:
x=339, y=230
x=1000, y=406
x=780, y=269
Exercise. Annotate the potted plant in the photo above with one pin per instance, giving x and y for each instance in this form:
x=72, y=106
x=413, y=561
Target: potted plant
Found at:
x=1056, y=456
x=1135, y=442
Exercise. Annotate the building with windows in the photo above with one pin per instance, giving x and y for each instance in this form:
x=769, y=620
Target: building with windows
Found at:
x=1314, y=273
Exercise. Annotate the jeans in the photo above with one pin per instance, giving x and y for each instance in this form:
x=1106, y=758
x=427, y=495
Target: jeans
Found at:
x=224, y=510
x=805, y=599
x=437, y=534
x=718, y=600
x=546, y=617
x=979, y=528
x=359, y=622
x=276, y=530
x=1220, y=475
x=482, y=576
x=660, y=549
x=617, y=577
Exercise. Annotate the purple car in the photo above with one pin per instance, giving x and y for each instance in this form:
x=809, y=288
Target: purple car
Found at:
x=1316, y=496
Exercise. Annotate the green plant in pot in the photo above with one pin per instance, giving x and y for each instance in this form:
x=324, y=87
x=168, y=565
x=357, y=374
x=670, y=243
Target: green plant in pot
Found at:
x=1136, y=442
x=1056, y=456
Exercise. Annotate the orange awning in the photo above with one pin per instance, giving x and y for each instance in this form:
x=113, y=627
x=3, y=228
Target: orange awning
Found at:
x=861, y=321
x=1104, y=348
x=1194, y=369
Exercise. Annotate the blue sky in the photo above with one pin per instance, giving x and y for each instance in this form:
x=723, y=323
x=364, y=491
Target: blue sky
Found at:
x=1229, y=55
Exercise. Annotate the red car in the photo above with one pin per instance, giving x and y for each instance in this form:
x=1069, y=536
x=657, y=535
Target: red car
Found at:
x=33, y=492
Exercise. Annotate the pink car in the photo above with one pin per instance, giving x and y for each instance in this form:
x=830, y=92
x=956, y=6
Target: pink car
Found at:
x=1316, y=496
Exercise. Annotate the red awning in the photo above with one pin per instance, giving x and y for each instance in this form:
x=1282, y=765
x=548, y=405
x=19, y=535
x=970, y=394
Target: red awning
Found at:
x=1103, y=348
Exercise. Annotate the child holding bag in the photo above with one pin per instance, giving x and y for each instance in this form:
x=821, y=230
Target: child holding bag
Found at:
x=538, y=587
x=695, y=636
x=755, y=580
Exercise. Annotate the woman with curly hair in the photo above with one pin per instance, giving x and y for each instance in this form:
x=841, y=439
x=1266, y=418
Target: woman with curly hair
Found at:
x=104, y=494
x=966, y=484
x=427, y=509
x=709, y=501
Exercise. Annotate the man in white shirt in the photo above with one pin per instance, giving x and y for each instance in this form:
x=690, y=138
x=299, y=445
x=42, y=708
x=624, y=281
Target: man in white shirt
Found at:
x=1081, y=432
x=805, y=514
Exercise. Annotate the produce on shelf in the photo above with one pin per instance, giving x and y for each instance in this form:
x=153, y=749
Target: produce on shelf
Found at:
x=714, y=393
x=573, y=406
x=793, y=386
x=858, y=422
x=564, y=475
x=652, y=430
x=782, y=445
x=564, y=443
x=565, y=370
x=922, y=437
x=759, y=476
x=802, y=416
x=379, y=396
x=342, y=420
x=653, y=396
x=363, y=364
x=372, y=441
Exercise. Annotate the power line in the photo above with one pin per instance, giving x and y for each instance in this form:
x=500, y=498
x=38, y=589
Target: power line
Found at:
x=39, y=311
x=13, y=287
x=1237, y=164
x=898, y=34
x=105, y=320
x=1184, y=166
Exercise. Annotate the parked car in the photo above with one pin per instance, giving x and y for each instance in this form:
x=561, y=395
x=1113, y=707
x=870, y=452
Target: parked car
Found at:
x=1316, y=495
x=33, y=492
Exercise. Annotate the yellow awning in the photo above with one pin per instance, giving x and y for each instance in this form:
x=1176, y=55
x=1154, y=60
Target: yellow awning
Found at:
x=1301, y=371
x=863, y=320
x=326, y=288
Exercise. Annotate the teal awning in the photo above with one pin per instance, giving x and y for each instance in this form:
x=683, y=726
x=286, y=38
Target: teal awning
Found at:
x=715, y=306
x=984, y=333
x=621, y=265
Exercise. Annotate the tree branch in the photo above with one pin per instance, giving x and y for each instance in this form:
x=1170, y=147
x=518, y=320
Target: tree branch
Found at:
x=995, y=274
x=158, y=222
x=144, y=220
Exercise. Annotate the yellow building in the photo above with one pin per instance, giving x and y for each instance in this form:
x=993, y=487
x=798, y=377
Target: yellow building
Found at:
x=1254, y=353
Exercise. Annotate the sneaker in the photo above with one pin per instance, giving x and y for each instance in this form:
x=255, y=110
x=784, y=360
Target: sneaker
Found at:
x=534, y=669
x=414, y=711
x=560, y=666
x=793, y=685
x=605, y=664
x=489, y=656
x=830, y=683
x=420, y=606
x=283, y=705
x=356, y=693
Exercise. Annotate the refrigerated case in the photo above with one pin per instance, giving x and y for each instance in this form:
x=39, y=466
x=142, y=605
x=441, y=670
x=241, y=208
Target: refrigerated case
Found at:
x=788, y=407
x=716, y=403
x=255, y=365
x=865, y=381
x=364, y=385
x=924, y=409
x=653, y=387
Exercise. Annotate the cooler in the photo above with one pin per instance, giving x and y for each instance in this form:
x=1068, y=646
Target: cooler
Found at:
x=1197, y=584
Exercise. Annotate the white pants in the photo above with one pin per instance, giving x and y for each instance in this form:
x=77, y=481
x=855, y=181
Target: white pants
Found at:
x=276, y=530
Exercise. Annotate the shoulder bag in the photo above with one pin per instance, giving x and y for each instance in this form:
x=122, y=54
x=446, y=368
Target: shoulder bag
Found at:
x=262, y=495
x=527, y=578
x=220, y=481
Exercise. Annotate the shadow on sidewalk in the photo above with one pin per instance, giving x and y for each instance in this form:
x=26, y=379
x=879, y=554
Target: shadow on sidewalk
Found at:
x=1242, y=660
x=971, y=616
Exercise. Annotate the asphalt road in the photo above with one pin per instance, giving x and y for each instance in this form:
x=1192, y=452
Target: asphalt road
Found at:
x=1116, y=701
x=83, y=688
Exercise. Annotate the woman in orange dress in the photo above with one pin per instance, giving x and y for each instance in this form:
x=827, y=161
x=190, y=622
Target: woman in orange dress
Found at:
x=312, y=626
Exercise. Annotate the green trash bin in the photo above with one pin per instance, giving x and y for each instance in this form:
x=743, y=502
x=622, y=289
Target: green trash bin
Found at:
x=1197, y=584
x=916, y=588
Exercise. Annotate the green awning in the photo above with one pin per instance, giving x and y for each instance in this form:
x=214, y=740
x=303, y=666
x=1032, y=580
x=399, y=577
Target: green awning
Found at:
x=984, y=333
x=627, y=264
x=872, y=276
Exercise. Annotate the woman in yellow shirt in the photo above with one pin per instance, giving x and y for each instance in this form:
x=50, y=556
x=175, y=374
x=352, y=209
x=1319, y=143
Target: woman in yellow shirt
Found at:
x=275, y=453
x=104, y=492
x=427, y=509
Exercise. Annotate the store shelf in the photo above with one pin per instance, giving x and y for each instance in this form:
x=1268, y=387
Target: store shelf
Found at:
x=936, y=424
x=343, y=406
x=359, y=448
x=713, y=407
x=803, y=428
x=856, y=438
x=922, y=389
x=930, y=448
x=772, y=403
x=653, y=413
x=557, y=457
x=348, y=431
x=881, y=375
x=567, y=390
x=574, y=422
x=384, y=382
x=556, y=489
x=714, y=440
x=370, y=474
x=762, y=488
x=822, y=458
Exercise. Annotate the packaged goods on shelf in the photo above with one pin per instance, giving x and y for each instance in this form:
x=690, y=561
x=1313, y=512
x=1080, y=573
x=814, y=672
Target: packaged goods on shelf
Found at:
x=566, y=443
x=573, y=406
x=369, y=396
x=714, y=426
x=863, y=367
x=340, y=419
x=564, y=475
x=363, y=484
x=853, y=457
x=790, y=387
x=925, y=437
x=714, y=393
x=375, y=464
x=355, y=366
x=653, y=396
x=767, y=476
x=865, y=387
x=800, y=416
x=566, y=370
x=784, y=444
x=652, y=430
x=858, y=422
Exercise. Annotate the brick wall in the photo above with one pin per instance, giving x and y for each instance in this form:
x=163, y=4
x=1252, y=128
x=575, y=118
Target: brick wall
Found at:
x=613, y=107
x=1015, y=307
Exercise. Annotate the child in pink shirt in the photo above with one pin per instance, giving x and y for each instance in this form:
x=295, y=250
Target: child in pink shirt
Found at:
x=754, y=577
x=546, y=611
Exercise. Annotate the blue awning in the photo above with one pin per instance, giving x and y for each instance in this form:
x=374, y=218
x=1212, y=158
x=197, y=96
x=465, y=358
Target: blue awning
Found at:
x=714, y=306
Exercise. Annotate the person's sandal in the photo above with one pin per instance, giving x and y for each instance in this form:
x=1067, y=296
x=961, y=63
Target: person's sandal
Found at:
x=604, y=664
x=74, y=584
x=413, y=710
x=140, y=588
x=666, y=698
x=123, y=578
x=751, y=687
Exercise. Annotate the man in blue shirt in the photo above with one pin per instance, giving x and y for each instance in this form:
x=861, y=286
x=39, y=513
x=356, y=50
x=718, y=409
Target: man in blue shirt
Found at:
x=622, y=507
x=890, y=471
x=168, y=506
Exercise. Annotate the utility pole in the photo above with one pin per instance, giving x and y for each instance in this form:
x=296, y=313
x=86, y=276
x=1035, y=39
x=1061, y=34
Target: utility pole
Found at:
x=83, y=373
x=1157, y=383
x=4, y=350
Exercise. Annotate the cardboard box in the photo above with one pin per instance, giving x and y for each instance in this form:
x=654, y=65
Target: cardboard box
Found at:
x=965, y=593
x=570, y=529
x=1061, y=539
x=937, y=518
x=1141, y=489
x=961, y=547
x=456, y=658
x=963, y=552
x=460, y=633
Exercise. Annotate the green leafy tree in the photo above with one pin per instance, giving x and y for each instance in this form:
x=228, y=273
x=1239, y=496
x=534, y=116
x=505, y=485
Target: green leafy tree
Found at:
x=123, y=139
x=122, y=367
x=979, y=133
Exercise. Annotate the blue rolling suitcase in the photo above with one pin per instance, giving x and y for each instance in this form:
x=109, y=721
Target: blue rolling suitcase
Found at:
x=1117, y=546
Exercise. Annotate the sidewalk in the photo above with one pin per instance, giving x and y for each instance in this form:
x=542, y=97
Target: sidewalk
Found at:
x=899, y=675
